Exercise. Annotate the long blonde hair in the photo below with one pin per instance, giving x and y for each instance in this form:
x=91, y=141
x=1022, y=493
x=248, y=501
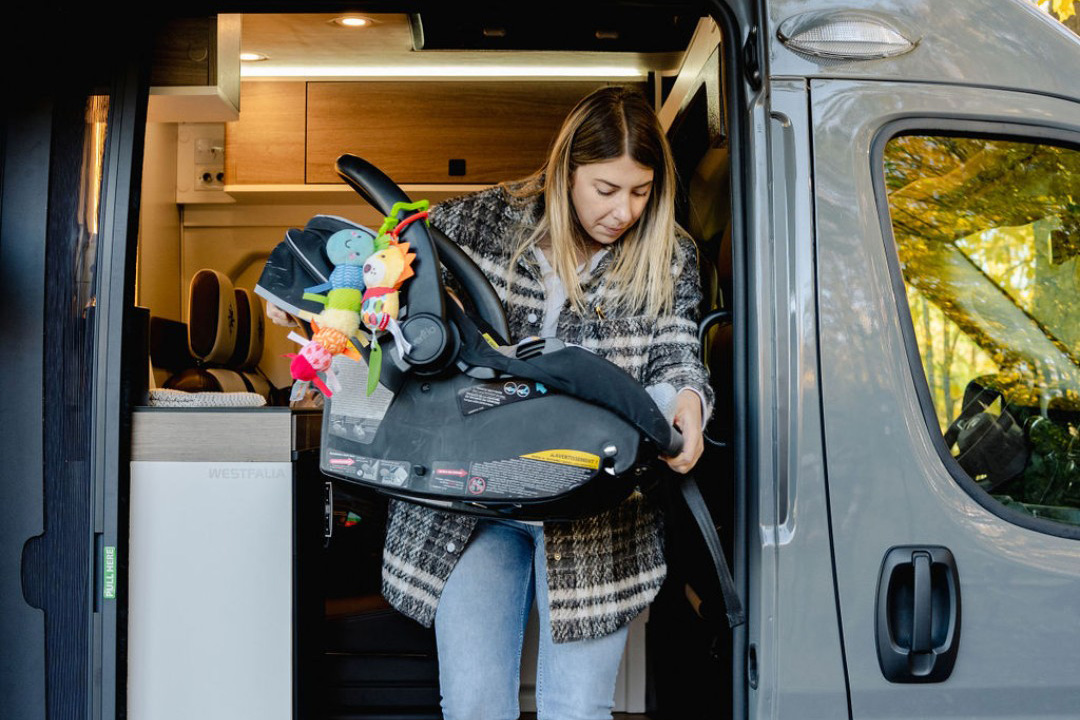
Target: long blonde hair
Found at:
x=605, y=125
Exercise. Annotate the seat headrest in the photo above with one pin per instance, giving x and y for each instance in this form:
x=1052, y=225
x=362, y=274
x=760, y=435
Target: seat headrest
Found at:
x=212, y=317
x=169, y=345
x=250, y=329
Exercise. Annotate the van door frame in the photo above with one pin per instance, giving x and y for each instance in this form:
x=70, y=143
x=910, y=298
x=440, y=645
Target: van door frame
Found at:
x=741, y=44
x=743, y=62
x=115, y=367
x=742, y=76
x=114, y=321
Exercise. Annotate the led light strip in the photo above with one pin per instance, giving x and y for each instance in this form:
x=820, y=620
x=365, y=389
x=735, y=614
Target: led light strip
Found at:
x=361, y=71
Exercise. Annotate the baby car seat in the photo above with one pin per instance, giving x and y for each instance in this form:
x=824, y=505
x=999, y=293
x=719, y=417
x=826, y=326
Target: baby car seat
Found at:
x=463, y=420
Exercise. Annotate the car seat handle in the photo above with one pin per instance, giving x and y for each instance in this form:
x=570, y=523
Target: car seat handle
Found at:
x=434, y=341
x=424, y=292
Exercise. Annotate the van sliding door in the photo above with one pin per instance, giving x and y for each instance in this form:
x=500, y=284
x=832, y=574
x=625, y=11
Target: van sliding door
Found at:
x=948, y=253
x=70, y=147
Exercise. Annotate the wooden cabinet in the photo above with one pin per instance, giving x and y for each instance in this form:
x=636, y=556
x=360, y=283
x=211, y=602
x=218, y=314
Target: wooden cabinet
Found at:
x=195, y=75
x=418, y=132
x=266, y=145
x=413, y=131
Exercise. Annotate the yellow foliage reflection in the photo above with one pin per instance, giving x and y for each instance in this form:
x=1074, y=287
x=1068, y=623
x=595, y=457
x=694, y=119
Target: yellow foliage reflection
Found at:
x=988, y=237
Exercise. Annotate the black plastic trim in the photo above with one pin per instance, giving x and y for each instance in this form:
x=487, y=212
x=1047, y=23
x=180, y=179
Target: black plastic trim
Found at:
x=952, y=126
x=737, y=115
x=119, y=369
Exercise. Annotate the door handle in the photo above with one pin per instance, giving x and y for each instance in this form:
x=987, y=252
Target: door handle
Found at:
x=918, y=614
x=922, y=612
x=716, y=317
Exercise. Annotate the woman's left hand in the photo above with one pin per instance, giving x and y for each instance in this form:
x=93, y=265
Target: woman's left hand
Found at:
x=688, y=421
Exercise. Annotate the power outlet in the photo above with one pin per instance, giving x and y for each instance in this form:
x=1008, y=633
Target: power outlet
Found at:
x=209, y=177
x=200, y=164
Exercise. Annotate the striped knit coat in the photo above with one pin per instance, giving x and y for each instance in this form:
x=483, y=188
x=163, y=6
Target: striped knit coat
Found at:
x=602, y=570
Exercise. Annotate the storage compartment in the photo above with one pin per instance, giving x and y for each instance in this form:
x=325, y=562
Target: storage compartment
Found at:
x=415, y=131
x=210, y=583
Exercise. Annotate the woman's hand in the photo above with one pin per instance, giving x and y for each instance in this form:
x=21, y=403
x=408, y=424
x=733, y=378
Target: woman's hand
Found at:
x=688, y=421
x=279, y=316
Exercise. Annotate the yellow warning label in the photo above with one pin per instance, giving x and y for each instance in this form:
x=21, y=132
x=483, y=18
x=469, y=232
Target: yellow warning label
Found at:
x=567, y=457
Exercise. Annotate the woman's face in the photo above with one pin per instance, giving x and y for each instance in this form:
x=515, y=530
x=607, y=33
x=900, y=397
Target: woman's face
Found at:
x=610, y=196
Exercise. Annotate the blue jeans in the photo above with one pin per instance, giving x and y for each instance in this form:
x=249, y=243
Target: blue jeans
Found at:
x=480, y=625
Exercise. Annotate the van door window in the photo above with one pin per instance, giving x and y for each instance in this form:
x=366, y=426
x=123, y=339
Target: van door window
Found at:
x=987, y=235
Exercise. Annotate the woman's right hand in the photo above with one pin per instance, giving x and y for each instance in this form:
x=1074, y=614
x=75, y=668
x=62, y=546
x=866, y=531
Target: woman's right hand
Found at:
x=688, y=422
x=279, y=316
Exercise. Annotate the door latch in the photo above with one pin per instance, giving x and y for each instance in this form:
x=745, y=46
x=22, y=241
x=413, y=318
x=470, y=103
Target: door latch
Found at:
x=918, y=614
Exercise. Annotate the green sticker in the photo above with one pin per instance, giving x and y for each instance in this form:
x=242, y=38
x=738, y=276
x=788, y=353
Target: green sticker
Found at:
x=109, y=580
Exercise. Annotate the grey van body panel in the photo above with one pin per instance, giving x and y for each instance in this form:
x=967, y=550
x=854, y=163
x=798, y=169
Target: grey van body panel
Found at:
x=1003, y=43
x=887, y=482
x=793, y=615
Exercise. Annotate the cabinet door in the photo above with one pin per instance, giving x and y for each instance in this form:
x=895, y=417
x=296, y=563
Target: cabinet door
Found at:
x=948, y=270
x=210, y=614
x=422, y=132
x=265, y=146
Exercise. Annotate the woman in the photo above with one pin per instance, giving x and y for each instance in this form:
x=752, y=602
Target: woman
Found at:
x=586, y=250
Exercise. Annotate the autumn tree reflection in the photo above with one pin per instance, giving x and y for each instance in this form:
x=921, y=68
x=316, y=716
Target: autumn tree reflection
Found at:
x=988, y=238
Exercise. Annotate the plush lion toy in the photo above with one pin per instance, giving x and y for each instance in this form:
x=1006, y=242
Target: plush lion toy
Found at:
x=384, y=273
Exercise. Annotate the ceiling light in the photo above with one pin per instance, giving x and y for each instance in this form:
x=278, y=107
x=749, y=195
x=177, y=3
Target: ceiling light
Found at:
x=252, y=57
x=352, y=21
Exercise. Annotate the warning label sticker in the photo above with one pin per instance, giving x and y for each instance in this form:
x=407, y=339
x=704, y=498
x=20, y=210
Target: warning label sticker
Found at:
x=448, y=477
x=353, y=414
x=524, y=478
x=394, y=473
x=497, y=393
x=576, y=458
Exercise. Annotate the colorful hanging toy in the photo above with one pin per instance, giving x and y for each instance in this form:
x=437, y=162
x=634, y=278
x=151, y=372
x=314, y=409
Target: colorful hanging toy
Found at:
x=362, y=260
x=384, y=273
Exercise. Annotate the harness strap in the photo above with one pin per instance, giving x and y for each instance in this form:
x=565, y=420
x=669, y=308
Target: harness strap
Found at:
x=691, y=494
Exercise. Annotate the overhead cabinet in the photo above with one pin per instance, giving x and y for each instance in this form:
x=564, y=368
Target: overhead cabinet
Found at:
x=266, y=145
x=417, y=132
x=195, y=75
